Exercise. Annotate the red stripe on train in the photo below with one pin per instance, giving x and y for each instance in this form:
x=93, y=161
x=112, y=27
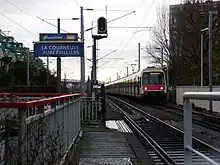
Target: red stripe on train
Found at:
x=154, y=87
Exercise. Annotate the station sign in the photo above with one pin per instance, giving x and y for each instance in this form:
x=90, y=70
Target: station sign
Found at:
x=58, y=36
x=62, y=49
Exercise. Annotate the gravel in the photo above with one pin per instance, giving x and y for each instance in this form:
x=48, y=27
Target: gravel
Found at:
x=206, y=135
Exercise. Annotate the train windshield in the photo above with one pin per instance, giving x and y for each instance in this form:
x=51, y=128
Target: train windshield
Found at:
x=153, y=78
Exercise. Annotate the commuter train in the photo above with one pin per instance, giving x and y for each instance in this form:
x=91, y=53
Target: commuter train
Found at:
x=147, y=84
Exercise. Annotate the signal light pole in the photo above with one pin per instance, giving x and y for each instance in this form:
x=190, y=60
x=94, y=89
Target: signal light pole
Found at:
x=102, y=33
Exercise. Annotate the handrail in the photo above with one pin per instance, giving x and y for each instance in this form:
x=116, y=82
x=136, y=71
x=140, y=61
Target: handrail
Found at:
x=33, y=94
x=41, y=102
x=215, y=96
x=201, y=155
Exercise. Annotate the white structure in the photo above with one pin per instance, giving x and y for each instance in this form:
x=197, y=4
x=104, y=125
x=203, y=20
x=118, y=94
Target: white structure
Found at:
x=199, y=103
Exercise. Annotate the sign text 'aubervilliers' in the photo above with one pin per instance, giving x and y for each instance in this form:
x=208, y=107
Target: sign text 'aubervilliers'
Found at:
x=60, y=49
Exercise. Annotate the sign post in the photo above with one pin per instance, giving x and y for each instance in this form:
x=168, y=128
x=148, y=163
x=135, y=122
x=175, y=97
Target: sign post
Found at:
x=58, y=49
x=58, y=45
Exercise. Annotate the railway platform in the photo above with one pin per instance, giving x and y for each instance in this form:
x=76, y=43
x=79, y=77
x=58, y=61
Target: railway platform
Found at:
x=105, y=146
x=113, y=144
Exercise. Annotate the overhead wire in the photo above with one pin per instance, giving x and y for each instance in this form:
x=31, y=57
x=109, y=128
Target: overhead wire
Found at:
x=34, y=16
x=136, y=29
x=2, y=32
x=127, y=31
x=17, y=24
x=77, y=2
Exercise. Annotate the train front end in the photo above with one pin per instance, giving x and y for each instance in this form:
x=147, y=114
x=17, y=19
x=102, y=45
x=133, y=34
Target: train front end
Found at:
x=154, y=86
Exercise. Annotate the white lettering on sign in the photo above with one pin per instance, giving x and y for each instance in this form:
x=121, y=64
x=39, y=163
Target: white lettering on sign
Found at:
x=60, y=50
x=44, y=47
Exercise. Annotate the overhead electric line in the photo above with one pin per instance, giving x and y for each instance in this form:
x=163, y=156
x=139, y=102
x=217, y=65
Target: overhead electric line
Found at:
x=111, y=20
x=17, y=24
x=77, y=2
x=137, y=28
x=127, y=30
x=34, y=16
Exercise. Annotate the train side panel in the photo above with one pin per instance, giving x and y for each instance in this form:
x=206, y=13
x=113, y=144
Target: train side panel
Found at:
x=133, y=86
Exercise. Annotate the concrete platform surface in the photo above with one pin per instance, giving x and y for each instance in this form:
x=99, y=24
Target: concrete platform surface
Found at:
x=106, y=146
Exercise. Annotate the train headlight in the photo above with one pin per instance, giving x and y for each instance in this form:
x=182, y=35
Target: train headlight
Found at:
x=145, y=88
x=161, y=88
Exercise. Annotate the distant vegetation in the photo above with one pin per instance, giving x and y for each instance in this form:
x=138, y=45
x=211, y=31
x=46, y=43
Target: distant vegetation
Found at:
x=16, y=74
x=13, y=65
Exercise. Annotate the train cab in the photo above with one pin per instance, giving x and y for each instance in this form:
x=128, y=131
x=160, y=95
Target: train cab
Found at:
x=154, y=84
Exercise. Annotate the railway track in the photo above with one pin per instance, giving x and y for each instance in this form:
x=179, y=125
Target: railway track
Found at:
x=214, y=117
x=163, y=142
x=202, y=119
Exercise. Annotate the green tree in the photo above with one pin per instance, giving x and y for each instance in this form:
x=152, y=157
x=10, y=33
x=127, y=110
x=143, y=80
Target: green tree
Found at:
x=13, y=66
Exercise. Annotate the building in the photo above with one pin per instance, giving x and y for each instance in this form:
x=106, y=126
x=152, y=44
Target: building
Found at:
x=176, y=18
x=185, y=24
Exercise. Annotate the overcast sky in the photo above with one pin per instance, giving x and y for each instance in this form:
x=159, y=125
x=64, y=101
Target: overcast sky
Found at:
x=24, y=13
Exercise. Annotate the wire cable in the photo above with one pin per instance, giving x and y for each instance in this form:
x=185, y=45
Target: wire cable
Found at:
x=18, y=24
x=126, y=32
x=77, y=2
x=2, y=33
x=34, y=16
x=136, y=30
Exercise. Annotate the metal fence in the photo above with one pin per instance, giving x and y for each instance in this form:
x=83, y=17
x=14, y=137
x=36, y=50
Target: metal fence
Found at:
x=38, y=131
x=215, y=96
x=90, y=110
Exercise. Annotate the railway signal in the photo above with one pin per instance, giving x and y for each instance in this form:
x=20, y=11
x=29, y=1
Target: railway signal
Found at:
x=102, y=25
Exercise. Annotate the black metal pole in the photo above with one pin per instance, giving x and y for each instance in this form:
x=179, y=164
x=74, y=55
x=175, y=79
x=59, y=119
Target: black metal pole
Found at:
x=103, y=112
x=210, y=59
x=139, y=57
x=94, y=65
x=58, y=63
x=94, y=58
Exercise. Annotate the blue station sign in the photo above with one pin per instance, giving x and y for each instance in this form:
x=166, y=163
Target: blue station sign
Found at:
x=58, y=37
x=68, y=49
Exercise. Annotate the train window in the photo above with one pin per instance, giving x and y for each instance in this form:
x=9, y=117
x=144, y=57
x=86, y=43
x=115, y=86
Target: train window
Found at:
x=153, y=78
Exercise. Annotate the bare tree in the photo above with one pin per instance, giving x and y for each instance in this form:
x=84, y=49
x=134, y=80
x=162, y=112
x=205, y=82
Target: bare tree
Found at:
x=160, y=36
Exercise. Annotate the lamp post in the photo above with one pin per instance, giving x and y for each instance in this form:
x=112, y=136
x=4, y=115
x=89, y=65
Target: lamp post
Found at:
x=203, y=30
x=210, y=58
x=28, y=67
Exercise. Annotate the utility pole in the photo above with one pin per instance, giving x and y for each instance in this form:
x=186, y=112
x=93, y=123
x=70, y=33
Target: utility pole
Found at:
x=117, y=75
x=48, y=72
x=201, y=59
x=162, y=58
x=58, y=63
x=28, y=68
x=91, y=83
x=201, y=47
x=139, y=57
x=106, y=10
x=83, y=57
x=127, y=70
x=94, y=60
x=102, y=29
x=210, y=58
